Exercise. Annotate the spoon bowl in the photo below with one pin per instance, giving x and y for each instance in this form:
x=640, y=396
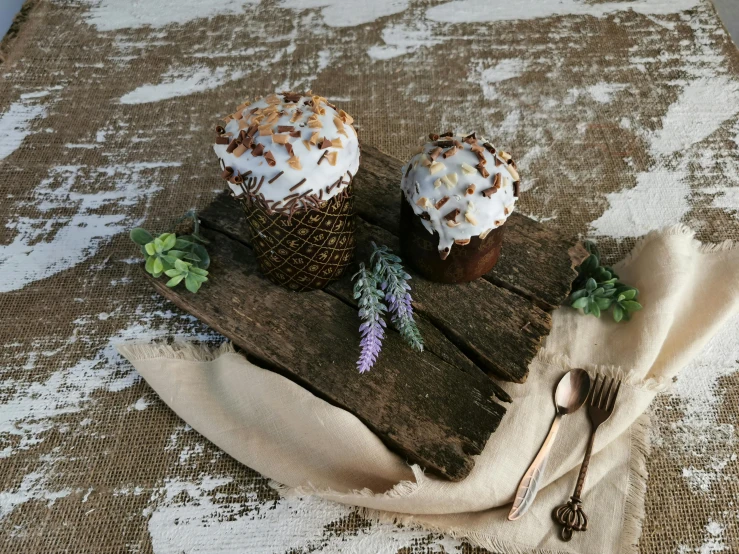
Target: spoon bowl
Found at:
x=572, y=391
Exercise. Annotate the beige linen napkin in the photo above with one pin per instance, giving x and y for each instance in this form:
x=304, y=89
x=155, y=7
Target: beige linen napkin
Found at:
x=310, y=447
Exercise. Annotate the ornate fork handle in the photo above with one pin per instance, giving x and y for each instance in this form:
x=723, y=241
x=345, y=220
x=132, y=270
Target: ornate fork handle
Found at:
x=571, y=516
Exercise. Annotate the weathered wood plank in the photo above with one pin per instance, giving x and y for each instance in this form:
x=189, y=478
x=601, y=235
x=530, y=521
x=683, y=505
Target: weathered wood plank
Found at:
x=499, y=330
x=534, y=261
x=224, y=216
x=422, y=407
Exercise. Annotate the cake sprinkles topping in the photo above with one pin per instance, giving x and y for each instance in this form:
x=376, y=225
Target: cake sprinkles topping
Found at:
x=459, y=185
x=276, y=140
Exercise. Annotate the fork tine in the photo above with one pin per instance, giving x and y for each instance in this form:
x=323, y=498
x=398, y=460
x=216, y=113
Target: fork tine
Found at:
x=612, y=400
x=603, y=400
x=594, y=391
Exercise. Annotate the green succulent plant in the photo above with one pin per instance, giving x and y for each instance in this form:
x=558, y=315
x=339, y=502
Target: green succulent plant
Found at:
x=597, y=289
x=193, y=276
x=182, y=258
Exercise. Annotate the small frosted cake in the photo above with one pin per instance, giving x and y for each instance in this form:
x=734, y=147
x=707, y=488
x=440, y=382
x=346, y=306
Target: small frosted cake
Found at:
x=458, y=192
x=290, y=159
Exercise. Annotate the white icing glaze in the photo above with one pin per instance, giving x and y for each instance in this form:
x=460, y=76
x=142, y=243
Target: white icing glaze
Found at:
x=452, y=177
x=318, y=178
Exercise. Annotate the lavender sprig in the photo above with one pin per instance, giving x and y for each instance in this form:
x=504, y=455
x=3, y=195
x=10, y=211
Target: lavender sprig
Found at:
x=389, y=270
x=371, y=309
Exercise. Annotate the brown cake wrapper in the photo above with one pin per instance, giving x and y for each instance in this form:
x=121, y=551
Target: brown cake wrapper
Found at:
x=464, y=263
x=309, y=248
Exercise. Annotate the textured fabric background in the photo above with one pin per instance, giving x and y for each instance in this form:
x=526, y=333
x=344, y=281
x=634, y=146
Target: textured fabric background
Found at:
x=624, y=117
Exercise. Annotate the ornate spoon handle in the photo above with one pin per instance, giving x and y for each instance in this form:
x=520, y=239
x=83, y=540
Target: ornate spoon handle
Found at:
x=529, y=485
x=571, y=515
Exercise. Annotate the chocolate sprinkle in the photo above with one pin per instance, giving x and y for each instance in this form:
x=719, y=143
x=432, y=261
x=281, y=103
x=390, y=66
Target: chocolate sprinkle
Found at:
x=258, y=150
x=222, y=140
x=295, y=187
x=498, y=162
x=407, y=171
x=289, y=148
x=516, y=188
x=449, y=153
x=444, y=143
x=294, y=134
x=273, y=179
x=470, y=138
x=270, y=159
x=482, y=170
x=451, y=216
x=487, y=193
x=435, y=153
x=425, y=215
x=489, y=147
x=232, y=146
x=227, y=172
x=285, y=128
x=325, y=143
x=261, y=182
x=434, y=136
x=220, y=130
x=322, y=156
x=447, y=134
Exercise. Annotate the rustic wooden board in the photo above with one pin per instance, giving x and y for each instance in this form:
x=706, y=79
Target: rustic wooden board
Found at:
x=422, y=407
x=437, y=408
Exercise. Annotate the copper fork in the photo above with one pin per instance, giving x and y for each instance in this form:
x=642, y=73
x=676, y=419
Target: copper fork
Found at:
x=600, y=407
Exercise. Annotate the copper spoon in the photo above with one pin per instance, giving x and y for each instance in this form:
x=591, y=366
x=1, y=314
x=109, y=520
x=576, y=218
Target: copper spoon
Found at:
x=572, y=390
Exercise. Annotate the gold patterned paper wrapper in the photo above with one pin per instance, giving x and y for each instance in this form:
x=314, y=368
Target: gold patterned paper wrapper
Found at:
x=307, y=250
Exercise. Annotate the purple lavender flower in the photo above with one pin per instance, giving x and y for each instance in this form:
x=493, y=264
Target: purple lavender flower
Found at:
x=371, y=311
x=388, y=267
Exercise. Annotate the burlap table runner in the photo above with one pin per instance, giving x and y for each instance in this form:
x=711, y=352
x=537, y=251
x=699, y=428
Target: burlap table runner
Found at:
x=622, y=115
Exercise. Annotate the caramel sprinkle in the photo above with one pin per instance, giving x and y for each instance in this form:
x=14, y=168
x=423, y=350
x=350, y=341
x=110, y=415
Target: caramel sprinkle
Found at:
x=306, y=144
x=435, y=153
x=336, y=143
x=441, y=202
x=482, y=170
x=280, y=139
x=314, y=138
x=294, y=162
x=471, y=189
x=296, y=116
x=331, y=157
x=239, y=150
x=423, y=202
x=345, y=117
x=265, y=130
